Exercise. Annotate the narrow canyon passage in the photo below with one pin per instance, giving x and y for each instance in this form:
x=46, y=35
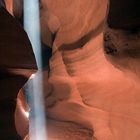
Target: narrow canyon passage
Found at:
x=91, y=88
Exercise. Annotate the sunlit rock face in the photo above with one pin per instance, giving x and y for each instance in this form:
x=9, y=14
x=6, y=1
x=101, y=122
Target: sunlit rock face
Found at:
x=70, y=15
x=84, y=85
x=94, y=93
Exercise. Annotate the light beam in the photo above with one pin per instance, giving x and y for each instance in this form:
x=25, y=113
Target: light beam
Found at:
x=37, y=117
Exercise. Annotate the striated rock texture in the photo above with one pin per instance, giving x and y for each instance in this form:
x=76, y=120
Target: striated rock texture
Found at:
x=94, y=93
x=84, y=85
x=58, y=130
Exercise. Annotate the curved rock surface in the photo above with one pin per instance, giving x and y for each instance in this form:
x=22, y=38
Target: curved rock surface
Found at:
x=84, y=85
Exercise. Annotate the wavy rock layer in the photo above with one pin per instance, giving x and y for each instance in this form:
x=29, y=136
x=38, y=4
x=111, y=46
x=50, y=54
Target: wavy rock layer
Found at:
x=84, y=87
x=94, y=93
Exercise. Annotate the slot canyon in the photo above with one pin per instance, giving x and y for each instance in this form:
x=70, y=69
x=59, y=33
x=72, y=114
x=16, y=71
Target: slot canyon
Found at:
x=90, y=52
